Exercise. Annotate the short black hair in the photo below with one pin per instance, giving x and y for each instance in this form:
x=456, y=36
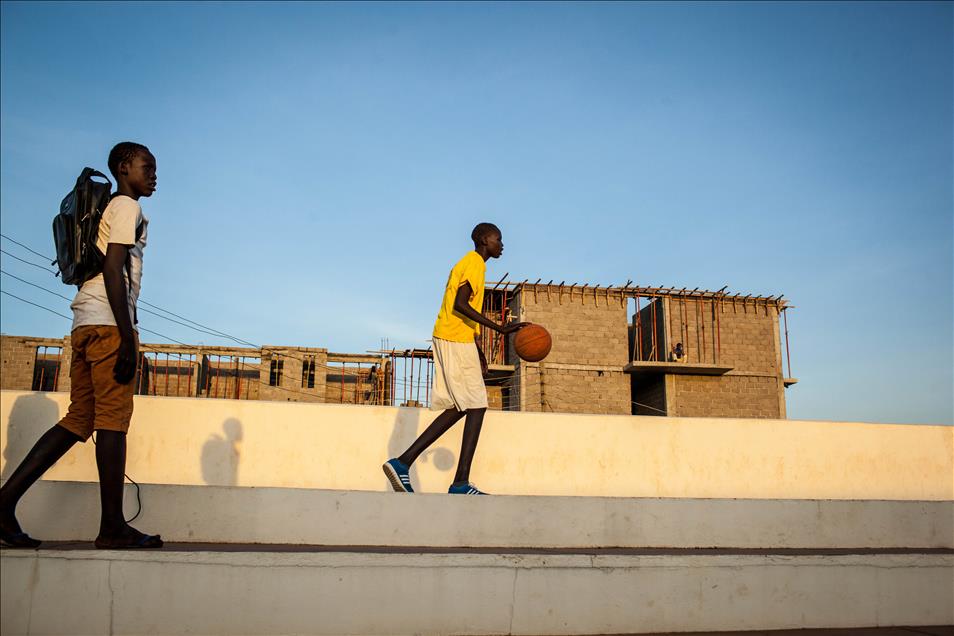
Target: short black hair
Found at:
x=123, y=151
x=482, y=230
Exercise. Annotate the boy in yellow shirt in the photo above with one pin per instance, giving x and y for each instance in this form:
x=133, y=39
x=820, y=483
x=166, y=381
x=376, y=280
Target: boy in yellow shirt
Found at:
x=459, y=363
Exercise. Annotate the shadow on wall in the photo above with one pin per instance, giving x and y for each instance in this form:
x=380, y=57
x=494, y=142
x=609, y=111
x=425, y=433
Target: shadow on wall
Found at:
x=220, y=455
x=27, y=412
x=405, y=431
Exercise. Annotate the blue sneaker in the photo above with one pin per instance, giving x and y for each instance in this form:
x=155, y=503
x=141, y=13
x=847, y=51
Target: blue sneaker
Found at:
x=397, y=473
x=464, y=489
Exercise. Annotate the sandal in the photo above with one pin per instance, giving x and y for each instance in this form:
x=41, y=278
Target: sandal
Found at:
x=142, y=542
x=18, y=540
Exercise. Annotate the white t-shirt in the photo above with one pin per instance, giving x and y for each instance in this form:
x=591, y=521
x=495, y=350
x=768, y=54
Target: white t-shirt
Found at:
x=120, y=219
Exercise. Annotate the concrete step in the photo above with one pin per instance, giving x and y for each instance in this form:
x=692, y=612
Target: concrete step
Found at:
x=234, y=590
x=213, y=514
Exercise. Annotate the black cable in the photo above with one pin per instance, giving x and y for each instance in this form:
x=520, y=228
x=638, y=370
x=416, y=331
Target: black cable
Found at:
x=205, y=331
x=34, y=304
x=281, y=388
x=2, y=271
x=69, y=318
x=49, y=291
x=211, y=330
x=138, y=499
x=25, y=247
x=202, y=328
x=45, y=269
x=274, y=386
x=136, y=484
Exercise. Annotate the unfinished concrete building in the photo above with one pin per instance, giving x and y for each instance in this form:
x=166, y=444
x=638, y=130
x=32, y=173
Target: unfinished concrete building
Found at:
x=645, y=351
x=616, y=350
x=298, y=374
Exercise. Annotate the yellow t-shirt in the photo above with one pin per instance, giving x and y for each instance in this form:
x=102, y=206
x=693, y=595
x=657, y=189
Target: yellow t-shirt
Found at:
x=450, y=325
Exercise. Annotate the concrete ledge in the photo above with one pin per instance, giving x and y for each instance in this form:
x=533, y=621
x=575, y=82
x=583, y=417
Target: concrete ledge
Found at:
x=189, y=441
x=98, y=592
x=68, y=511
x=641, y=368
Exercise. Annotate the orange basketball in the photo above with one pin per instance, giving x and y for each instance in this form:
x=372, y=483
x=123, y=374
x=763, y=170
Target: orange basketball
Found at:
x=532, y=343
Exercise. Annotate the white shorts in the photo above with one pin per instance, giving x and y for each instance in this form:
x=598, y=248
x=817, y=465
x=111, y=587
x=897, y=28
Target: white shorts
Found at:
x=458, y=381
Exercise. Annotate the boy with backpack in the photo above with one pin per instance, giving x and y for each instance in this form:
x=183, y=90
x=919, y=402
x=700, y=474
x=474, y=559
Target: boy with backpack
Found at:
x=459, y=363
x=105, y=354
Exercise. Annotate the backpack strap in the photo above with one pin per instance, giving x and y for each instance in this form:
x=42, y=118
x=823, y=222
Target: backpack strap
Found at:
x=139, y=230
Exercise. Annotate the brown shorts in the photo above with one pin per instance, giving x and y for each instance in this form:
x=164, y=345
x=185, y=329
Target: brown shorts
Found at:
x=97, y=401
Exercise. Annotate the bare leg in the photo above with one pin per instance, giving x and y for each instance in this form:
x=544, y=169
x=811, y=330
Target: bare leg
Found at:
x=114, y=532
x=438, y=427
x=51, y=446
x=475, y=419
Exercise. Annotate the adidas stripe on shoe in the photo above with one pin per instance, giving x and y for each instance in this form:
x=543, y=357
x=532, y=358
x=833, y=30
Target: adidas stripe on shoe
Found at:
x=464, y=489
x=398, y=474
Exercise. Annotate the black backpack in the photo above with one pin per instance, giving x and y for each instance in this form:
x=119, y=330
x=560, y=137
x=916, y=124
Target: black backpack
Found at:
x=76, y=228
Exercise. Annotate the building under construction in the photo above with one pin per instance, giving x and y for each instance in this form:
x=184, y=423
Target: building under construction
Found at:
x=616, y=349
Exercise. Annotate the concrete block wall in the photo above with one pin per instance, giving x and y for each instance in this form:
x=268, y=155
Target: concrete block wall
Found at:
x=201, y=373
x=744, y=336
x=592, y=338
x=254, y=384
x=165, y=377
x=217, y=378
x=289, y=386
x=592, y=342
x=64, y=383
x=19, y=356
x=726, y=396
x=498, y=397
x=219, y=372
x=495, y=397
x=563, y=389
x=356, y=388
x=740, y=335
x=584, y=371
x=586, y=329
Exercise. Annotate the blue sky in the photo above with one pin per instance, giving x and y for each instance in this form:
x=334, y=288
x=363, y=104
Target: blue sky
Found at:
x=321, y=165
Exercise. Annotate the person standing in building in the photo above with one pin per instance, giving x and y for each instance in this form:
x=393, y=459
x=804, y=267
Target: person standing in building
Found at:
x=105, y=355
x=459, y=363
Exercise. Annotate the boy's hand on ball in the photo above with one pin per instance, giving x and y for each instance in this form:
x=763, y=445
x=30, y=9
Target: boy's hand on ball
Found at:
x=513, y=327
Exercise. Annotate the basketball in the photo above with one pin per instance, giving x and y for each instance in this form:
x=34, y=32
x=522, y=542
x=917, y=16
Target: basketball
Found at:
x=532, y=343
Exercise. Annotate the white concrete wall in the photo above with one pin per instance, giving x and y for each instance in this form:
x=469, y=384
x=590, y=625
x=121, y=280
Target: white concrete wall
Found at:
x=68, y=511
x=96, y=592
x=341, y=447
